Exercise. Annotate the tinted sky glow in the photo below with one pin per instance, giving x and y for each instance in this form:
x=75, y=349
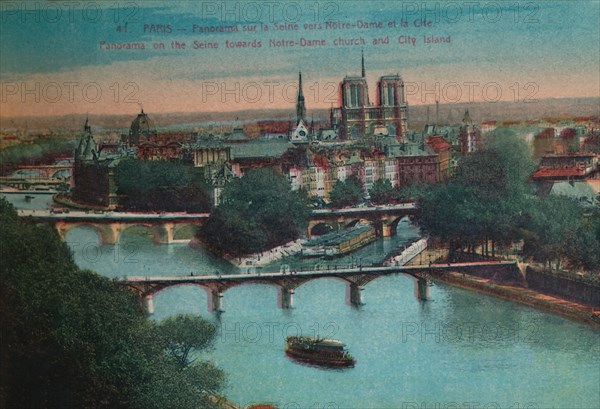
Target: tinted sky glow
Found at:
x=54, y=57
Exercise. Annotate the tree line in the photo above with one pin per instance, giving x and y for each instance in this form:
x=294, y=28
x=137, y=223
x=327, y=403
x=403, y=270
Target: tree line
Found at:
x=491, y=202
x=40, y=151
x=161, y=185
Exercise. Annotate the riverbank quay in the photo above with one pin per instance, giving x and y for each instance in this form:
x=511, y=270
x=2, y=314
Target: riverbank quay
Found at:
x=569, y=309
x=511, y=290
x=260, y=259
x=410, y=253
x=252, y=261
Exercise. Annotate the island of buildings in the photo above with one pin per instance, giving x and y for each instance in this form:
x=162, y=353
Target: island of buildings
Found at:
x=362, y=140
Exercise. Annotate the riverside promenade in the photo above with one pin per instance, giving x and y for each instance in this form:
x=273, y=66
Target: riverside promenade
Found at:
x=570, y=309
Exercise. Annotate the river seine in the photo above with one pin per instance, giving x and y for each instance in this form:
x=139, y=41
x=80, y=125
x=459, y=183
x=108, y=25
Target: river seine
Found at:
x=457, y=350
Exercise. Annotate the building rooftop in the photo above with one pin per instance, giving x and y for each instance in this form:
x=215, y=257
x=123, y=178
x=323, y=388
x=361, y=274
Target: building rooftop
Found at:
x=438, y=143
x=259, y=149
x=558, y=172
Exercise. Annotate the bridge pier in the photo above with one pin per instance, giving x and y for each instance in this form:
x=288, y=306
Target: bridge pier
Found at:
x=216, y=301
x=387, y=230
x=149, y=304
x=422, y=289
x=356, y=294
x=286, y=296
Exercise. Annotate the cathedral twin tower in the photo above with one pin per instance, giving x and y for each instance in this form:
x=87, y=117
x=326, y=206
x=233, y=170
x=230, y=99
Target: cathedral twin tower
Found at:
x=356, y=117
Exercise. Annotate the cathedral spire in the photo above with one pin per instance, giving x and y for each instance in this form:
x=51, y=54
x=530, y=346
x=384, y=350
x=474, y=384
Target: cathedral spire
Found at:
x=86, y=127
x=300, y=107
x=331, y=117
x=362, y=58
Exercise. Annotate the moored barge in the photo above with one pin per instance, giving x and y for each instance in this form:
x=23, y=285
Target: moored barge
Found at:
x=339, y=243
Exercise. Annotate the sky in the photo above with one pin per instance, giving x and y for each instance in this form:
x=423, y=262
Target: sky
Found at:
x=58, y=58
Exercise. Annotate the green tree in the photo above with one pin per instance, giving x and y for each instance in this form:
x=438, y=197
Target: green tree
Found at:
x=70, y=339
x=557, y=231
x=161, y=186
x=483, y=173
x=482, y=205
x=181, y=334
x=346, y=193
x=383, y=192
x=515, y=156
x=258, y=211
x=411, y=191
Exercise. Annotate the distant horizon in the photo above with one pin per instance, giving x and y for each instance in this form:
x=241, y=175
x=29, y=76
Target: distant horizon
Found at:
x=480, y=112
x=290, y=109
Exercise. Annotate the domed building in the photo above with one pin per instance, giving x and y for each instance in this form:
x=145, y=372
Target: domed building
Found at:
x=142, y=129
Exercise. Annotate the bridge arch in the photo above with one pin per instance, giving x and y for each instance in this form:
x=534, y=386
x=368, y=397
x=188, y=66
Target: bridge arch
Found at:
x=333, y=277
x=321, y=228
x=420, y=285
x=256, y=281
x=211, y=294
x=61, y=174
x=394, y=222
x=106, y=234
x=184, y=231
x=353, y=223
x=159, y=289
x=284, y=290
x=158, y=232
x=352, y=289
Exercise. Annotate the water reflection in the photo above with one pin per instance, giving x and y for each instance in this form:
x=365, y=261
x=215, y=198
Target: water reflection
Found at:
x=138, y=255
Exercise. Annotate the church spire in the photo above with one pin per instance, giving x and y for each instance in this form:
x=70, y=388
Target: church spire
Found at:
x=362, y=58
x=300, y=107
x=331, y=117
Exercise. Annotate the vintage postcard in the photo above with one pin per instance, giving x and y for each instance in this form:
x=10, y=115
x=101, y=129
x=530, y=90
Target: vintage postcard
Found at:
x=293, y=204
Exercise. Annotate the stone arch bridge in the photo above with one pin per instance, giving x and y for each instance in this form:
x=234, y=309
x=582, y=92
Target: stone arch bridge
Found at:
x=384, y=219
x=287, y=281
x=163, y=228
